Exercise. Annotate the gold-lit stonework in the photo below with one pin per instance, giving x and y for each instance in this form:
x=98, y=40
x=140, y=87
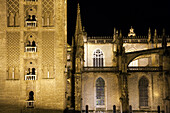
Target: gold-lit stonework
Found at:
x=33, y=40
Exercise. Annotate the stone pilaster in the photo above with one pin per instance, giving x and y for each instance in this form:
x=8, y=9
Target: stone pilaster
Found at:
x=124, y=99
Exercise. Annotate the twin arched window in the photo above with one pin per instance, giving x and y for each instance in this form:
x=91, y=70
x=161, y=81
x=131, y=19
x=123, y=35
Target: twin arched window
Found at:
x=98, y=58
x=143, y=91
x=100, y=91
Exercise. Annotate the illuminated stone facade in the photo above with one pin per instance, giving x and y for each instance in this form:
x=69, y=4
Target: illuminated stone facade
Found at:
x=40, y=72
x=133, y=71
x=33, y=41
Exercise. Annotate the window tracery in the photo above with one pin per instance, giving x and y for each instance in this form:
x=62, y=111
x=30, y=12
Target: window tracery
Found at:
x=98, y=58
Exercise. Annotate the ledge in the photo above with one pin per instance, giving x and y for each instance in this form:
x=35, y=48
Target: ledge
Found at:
x=13, y=79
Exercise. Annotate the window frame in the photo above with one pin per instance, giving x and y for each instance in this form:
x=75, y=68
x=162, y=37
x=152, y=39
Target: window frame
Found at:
x=98, y=58
x=103, y=95
x=143, y=86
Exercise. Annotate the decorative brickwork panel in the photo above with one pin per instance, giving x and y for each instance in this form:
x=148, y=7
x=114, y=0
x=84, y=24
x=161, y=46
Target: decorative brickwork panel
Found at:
x=13, y=6
x=48, y=48
x=47, y=6
x=13, y=49
x=13, y=13
x=48, y=12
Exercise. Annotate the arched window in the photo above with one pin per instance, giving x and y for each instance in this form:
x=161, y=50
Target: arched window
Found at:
x=30, y=103
x=33, y=71
x=33, y=44
x=98, y=58
x=31, y=95
x=100, y=89
x=143, y=91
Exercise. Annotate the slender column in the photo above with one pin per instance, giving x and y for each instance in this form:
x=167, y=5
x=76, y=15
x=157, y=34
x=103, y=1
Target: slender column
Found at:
x=124, y=92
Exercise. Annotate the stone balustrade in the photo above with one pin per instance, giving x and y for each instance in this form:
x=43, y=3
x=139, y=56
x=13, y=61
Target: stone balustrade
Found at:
x=30, y=77
x=30, y=104
x=145, y=69
x=100, y=69
x=31, y=24
x=30, y=49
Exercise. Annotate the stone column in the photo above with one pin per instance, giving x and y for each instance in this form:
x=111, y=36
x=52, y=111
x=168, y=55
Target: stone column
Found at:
x=78, y=92
x=166, y=78
x=124, y=99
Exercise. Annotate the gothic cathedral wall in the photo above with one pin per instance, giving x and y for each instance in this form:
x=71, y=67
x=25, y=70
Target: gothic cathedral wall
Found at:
x=90, y=50
x=111, y=91
x=155, y=90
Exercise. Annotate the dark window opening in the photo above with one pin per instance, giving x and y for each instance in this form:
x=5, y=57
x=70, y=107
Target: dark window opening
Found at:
x=31, y=95
x=33, y=44
x=143, y=91
x=33, y=71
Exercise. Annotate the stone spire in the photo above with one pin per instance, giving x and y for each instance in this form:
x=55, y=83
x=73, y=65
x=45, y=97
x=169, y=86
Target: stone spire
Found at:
x=73, y=42
x=78, y=23
x=149, y=35
x=155, y=40
x=120, y=43
x=164, y=40
x=114, y=35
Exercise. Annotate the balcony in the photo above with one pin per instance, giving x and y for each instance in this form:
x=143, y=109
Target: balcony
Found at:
x=30, y=77
x=31, y=49
x=100, y=69
x=145, y=69
x=31, y=23
x=30, y=104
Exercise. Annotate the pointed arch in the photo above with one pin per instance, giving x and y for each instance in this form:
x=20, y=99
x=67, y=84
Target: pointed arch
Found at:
x=143, y=91
x=11, y=20
x=51, y=19
x=98, y=60
x=100, y=91
x=46, y=17
x=16, y=19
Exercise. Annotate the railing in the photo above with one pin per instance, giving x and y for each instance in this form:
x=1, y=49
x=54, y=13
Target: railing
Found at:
x=30, y=77
x=30, y=49
x=145, y=69
x=30, y=104
x=100, y=69
x=31, y=23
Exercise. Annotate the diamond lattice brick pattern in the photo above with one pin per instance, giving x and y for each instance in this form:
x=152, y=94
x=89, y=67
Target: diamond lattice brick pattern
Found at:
x=48, y=48
x=48, y=6
x=13, y=6
x=13, y=48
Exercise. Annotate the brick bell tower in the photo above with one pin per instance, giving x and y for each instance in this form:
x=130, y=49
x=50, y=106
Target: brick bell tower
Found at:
x=33, y=41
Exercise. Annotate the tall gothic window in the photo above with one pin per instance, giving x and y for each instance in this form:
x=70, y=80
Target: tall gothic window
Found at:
x=100, y=96
x=98, y=58
x=143, y=91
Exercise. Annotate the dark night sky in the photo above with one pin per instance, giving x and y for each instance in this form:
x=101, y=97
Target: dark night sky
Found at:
x=101, y=16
